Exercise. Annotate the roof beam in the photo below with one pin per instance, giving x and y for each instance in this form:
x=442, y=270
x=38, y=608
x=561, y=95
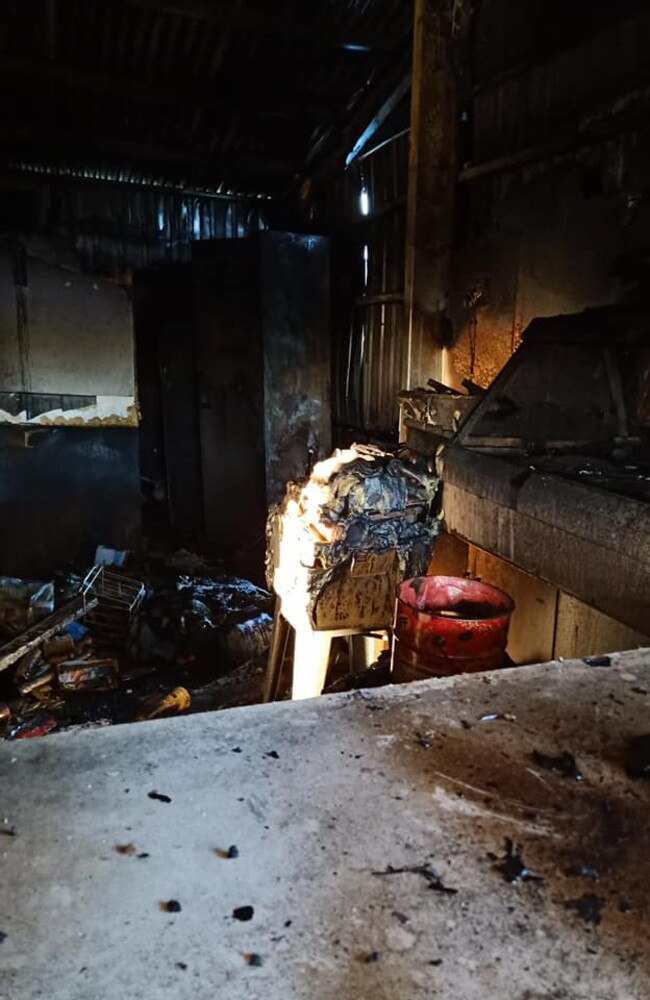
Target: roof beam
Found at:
x=154, y=93
x=318, y=34
x=331, y=149
x=384, y=112
x=34, y=175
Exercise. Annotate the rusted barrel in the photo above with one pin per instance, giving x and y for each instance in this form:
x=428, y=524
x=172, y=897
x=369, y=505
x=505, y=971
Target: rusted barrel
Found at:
x=448, y=625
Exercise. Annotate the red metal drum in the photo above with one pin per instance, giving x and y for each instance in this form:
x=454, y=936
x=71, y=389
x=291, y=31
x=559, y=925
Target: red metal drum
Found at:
x=448, y=625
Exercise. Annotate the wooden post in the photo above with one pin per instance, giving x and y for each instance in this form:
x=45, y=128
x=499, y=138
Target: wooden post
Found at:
x=277, y=652
x=432, y=181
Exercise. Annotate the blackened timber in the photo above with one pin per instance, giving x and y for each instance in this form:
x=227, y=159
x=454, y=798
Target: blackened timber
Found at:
x=430, y=203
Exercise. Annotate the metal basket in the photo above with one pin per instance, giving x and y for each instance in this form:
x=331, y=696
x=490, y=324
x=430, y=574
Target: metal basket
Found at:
x=112, y=620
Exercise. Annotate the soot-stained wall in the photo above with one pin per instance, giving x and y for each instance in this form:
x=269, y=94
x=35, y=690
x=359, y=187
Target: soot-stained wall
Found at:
x=553, y=203
x=69, y=471
x=62, y=492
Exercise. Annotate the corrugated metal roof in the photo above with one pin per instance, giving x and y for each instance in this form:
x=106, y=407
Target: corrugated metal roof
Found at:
x=226, y=95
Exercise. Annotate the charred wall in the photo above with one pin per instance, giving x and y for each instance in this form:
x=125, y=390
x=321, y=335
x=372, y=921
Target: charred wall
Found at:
x=110, y=227
x=70, y=249
x=63, y=491
x=69, y=476
x=369, y=353
x=553, y=198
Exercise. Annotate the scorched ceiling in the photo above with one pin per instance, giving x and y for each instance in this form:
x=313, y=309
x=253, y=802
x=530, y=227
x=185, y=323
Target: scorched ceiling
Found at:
x=224, y=96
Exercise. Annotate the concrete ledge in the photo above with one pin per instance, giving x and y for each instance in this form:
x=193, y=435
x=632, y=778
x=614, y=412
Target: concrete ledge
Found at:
x=604, y=578
x=320, y=798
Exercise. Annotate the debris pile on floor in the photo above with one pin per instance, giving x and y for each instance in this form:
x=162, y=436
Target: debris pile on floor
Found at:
x=141, y=650
x=63, y=665
x=23, y=603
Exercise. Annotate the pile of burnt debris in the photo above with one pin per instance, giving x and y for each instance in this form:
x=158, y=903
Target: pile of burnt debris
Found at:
x=158, y=636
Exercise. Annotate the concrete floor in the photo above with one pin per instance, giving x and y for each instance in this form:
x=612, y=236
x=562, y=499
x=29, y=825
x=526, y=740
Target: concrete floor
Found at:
x=403, y=777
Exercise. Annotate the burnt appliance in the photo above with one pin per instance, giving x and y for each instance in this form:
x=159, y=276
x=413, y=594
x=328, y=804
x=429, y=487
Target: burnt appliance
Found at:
x=551, y=471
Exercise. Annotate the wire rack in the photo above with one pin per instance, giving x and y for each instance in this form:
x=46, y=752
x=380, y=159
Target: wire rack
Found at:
x=113, y=618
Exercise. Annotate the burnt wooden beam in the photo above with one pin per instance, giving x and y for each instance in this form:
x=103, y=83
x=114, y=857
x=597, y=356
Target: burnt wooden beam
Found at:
x=192, y=97
x=431, y=184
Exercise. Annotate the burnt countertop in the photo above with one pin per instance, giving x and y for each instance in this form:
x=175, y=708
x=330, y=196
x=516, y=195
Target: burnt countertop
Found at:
x=471, y=837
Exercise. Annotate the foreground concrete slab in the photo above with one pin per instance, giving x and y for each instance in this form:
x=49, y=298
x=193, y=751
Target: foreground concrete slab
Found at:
x=340, y=810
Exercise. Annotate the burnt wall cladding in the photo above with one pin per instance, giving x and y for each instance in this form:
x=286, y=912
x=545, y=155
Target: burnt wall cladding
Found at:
x=552, y=92
x=110, y=227
x=368, y=337
x=562, y=232
x=555, y=235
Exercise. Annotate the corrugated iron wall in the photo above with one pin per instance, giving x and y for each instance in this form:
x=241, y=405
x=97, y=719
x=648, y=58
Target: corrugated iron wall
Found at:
x=369, y=341
x=147, y=226
x=111, y=226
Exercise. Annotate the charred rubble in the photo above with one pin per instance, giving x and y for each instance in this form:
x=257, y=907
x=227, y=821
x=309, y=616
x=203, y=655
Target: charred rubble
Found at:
x=160, y=637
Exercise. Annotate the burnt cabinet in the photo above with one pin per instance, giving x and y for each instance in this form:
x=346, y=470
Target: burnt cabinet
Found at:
x=263, y=352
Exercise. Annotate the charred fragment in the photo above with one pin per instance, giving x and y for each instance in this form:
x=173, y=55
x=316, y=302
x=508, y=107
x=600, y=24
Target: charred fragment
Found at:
x=159, y=797
x=513, y=867
x=170, y=906
x=589, y=907
x=428, y=872
x=231, y=852
x=564, y=763
x=252, y=958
